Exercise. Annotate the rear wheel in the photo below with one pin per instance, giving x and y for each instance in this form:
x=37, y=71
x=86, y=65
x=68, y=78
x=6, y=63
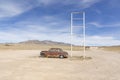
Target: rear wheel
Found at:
x=61, y=56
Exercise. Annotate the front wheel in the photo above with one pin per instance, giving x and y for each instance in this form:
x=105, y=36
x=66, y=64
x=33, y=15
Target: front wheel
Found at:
x=61, y=56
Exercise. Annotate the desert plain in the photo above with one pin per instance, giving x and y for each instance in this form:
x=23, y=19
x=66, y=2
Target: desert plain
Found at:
x=28, y=65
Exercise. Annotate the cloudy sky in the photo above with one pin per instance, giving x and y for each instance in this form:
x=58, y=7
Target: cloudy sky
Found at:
x=22, y=20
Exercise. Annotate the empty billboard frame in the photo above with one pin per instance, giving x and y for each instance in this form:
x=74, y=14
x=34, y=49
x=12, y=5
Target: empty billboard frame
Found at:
x=77, y=18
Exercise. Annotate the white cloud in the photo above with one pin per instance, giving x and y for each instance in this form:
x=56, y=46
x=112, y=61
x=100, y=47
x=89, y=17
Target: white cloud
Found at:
x=79, y=3
x=102, y=41
x=16, y=35
x=47, y=2
x=88, y=3
x=97, y=24
x=27, y=30
x=9, y=8
x=41, y=30
x=96, y=41
x=34, y=32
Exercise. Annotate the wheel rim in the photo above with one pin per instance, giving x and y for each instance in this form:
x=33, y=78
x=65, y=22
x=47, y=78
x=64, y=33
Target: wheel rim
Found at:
x=61, y=56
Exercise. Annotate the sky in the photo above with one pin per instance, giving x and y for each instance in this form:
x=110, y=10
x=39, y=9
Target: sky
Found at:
x=22, y=20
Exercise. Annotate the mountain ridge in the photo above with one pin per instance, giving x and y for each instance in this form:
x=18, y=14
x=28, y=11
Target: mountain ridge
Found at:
x=44, y=42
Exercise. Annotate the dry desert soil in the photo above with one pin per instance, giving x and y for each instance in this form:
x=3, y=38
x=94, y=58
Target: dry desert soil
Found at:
x=27, y=65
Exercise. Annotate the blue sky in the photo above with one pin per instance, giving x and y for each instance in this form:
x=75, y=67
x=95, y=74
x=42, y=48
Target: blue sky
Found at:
x=22, y=20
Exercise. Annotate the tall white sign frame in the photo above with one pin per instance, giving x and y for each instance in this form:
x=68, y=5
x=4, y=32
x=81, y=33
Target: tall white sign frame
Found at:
x=83, y=27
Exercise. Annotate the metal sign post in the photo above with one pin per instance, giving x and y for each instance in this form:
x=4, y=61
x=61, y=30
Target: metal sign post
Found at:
x=78, y=26
x=71, y=32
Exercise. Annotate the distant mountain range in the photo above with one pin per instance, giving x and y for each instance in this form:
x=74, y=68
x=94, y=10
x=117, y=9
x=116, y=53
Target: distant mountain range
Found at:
x=45, y=42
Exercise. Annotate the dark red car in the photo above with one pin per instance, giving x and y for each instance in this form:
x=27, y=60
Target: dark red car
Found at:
x=54, y=52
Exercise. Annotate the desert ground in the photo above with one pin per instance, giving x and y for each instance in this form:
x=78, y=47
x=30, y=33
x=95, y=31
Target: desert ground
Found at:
x=27, y=65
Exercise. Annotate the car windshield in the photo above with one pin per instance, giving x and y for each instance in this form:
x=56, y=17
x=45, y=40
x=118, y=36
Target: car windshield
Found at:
x=59, y=50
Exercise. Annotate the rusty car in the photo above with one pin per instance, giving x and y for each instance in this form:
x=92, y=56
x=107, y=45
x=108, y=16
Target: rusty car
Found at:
x=54, y=52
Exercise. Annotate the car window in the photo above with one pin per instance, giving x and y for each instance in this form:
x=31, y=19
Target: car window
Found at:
x=59, y=50
x=56, y=50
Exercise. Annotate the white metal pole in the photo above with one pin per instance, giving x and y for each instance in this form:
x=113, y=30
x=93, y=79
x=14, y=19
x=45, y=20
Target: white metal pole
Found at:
x=71, y=33
x=84, y=45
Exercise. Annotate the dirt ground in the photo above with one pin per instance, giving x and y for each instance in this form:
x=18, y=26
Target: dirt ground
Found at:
x=27, y=65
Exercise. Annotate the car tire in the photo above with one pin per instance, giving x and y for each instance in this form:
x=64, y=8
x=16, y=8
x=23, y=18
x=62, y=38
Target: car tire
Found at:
x=61, y=56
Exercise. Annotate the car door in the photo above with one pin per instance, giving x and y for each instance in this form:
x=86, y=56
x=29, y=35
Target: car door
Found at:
x=51, y=53
x=57, y=53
